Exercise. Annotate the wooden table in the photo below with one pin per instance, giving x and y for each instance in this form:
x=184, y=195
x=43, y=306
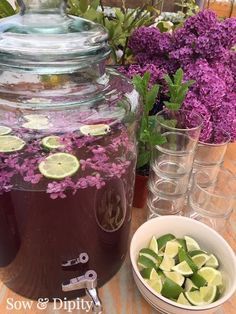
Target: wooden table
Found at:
x=120, y=295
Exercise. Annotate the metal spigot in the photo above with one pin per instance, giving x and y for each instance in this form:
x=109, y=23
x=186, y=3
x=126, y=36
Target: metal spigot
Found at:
x=82, y=259
x=88, y=281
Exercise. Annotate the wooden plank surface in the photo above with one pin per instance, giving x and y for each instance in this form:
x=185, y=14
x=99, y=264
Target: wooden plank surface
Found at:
x=120, y=295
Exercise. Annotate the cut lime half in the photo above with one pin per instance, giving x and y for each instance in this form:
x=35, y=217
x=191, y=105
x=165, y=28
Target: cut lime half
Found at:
x=211, y=275
x=59, y=166
x=212, y=261
x=191, y=244
x=95, y=130
x=194, y=297
x=183, y=268
x=176, y=277
x=52, y=142
x=200, y=259
x=155, y=284
x=4, y=130
x=153, y=244
x=182, y=299
x=10, y=143
x=209, y=294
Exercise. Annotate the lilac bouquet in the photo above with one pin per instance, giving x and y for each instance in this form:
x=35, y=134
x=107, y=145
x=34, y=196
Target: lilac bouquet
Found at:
x=204, y=48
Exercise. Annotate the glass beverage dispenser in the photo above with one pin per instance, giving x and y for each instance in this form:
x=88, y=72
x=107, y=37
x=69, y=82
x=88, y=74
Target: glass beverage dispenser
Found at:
x=67, y=154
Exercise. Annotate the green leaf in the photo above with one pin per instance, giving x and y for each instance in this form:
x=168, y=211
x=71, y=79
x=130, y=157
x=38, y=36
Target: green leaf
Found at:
x=83, y=5
x=151, y=97
x=139, y=85
x=168, y=79
x=143, y=158
x=178, y=76
x=6, y=9
x=172, y=106
x=157, y=139
x=94, y=4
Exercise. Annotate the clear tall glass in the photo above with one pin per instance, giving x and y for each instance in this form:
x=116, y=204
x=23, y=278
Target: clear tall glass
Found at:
x=212, y=201
x=172, y=162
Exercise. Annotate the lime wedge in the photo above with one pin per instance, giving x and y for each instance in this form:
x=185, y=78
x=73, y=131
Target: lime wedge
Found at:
x=212, y=261
x=182, y=300
x=95, y=130
x=200, y=260
x=191, y=244
x=164, y=239
x=170, y=289
x=155, y=284
x=145, y=262
x=59, y=166
x=150, y=254
x=183, y=256
x=189, y=285
x=52, y=142
x=208, y=294
x=194, y=297
x=182, y=242
x=10, y=143
x=167, y=263
x=198, y=280
x=146, y=272
x=211, y=275
x=172, y=248
x=174, y=276
x=183, y=269
x=153, y=245
x=4, y=130
x=196, y=252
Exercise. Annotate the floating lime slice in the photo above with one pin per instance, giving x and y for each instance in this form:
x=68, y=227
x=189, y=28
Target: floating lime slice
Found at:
x=59, y=166
x=212, y=262
x=176, y=277
x=183, y=269
x=191, y=244
x=189, y=285
x=200, y=260
x=35, y=117
x=37, y=125
x=10, y=143
x=153, y=245
x=4, y=130
x=170, y=289
x=182, y=300
x=167, y=263
x=164, y=239
x=211, y=275
x=209, y=294
x=52, y=142
x=172, y=248
x=95, y=130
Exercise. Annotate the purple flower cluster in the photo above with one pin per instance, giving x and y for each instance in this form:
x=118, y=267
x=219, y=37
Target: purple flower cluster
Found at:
x=202, y=47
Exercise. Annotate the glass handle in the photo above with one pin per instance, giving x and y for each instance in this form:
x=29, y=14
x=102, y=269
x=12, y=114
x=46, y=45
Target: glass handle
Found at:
x=28, y=6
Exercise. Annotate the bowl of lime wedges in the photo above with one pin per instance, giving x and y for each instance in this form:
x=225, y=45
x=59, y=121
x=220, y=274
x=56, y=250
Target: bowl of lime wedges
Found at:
x=181, y=265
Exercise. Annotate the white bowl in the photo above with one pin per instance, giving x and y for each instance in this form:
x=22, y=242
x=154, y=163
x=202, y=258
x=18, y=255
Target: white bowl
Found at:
x=208, y=240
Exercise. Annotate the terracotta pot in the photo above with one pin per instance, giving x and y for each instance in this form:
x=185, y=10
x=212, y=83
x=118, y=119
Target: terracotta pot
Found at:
x=140, y=191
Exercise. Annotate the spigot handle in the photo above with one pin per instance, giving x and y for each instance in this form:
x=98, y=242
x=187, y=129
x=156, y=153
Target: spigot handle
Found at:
x=97, y=304
x=87, y=281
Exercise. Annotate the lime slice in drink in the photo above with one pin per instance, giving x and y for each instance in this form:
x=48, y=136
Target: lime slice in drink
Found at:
x=176, y=277
x=183, y=269
x=164, y=239
x=144, y=262
x=183, y=256
x=198, y=280
x=209, y=294
x=155, y=284
x=191, y=244
x=35, y=117
x=189, y=285
x=182, y=300
x=196, y=252
x=150, y=254
x=95, y=130
x=4, y=130
x=212, y=261
x=200, y=260
x=167, y=263
x=170, y=289
x=194, y=297
x=37, y=125
x=52, y=142
x=172, y=248
x=59, y=166
x=10, y=143
x=153, y=245
x=211, y=275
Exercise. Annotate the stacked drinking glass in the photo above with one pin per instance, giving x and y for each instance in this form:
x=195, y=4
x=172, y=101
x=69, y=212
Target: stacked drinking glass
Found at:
x=172, y=162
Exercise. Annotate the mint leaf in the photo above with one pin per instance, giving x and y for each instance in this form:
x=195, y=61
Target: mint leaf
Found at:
x=157, y=139
x=139, y=85
x=178, y=76
x=143, y=158
x=172, y=105
x=151, y=97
